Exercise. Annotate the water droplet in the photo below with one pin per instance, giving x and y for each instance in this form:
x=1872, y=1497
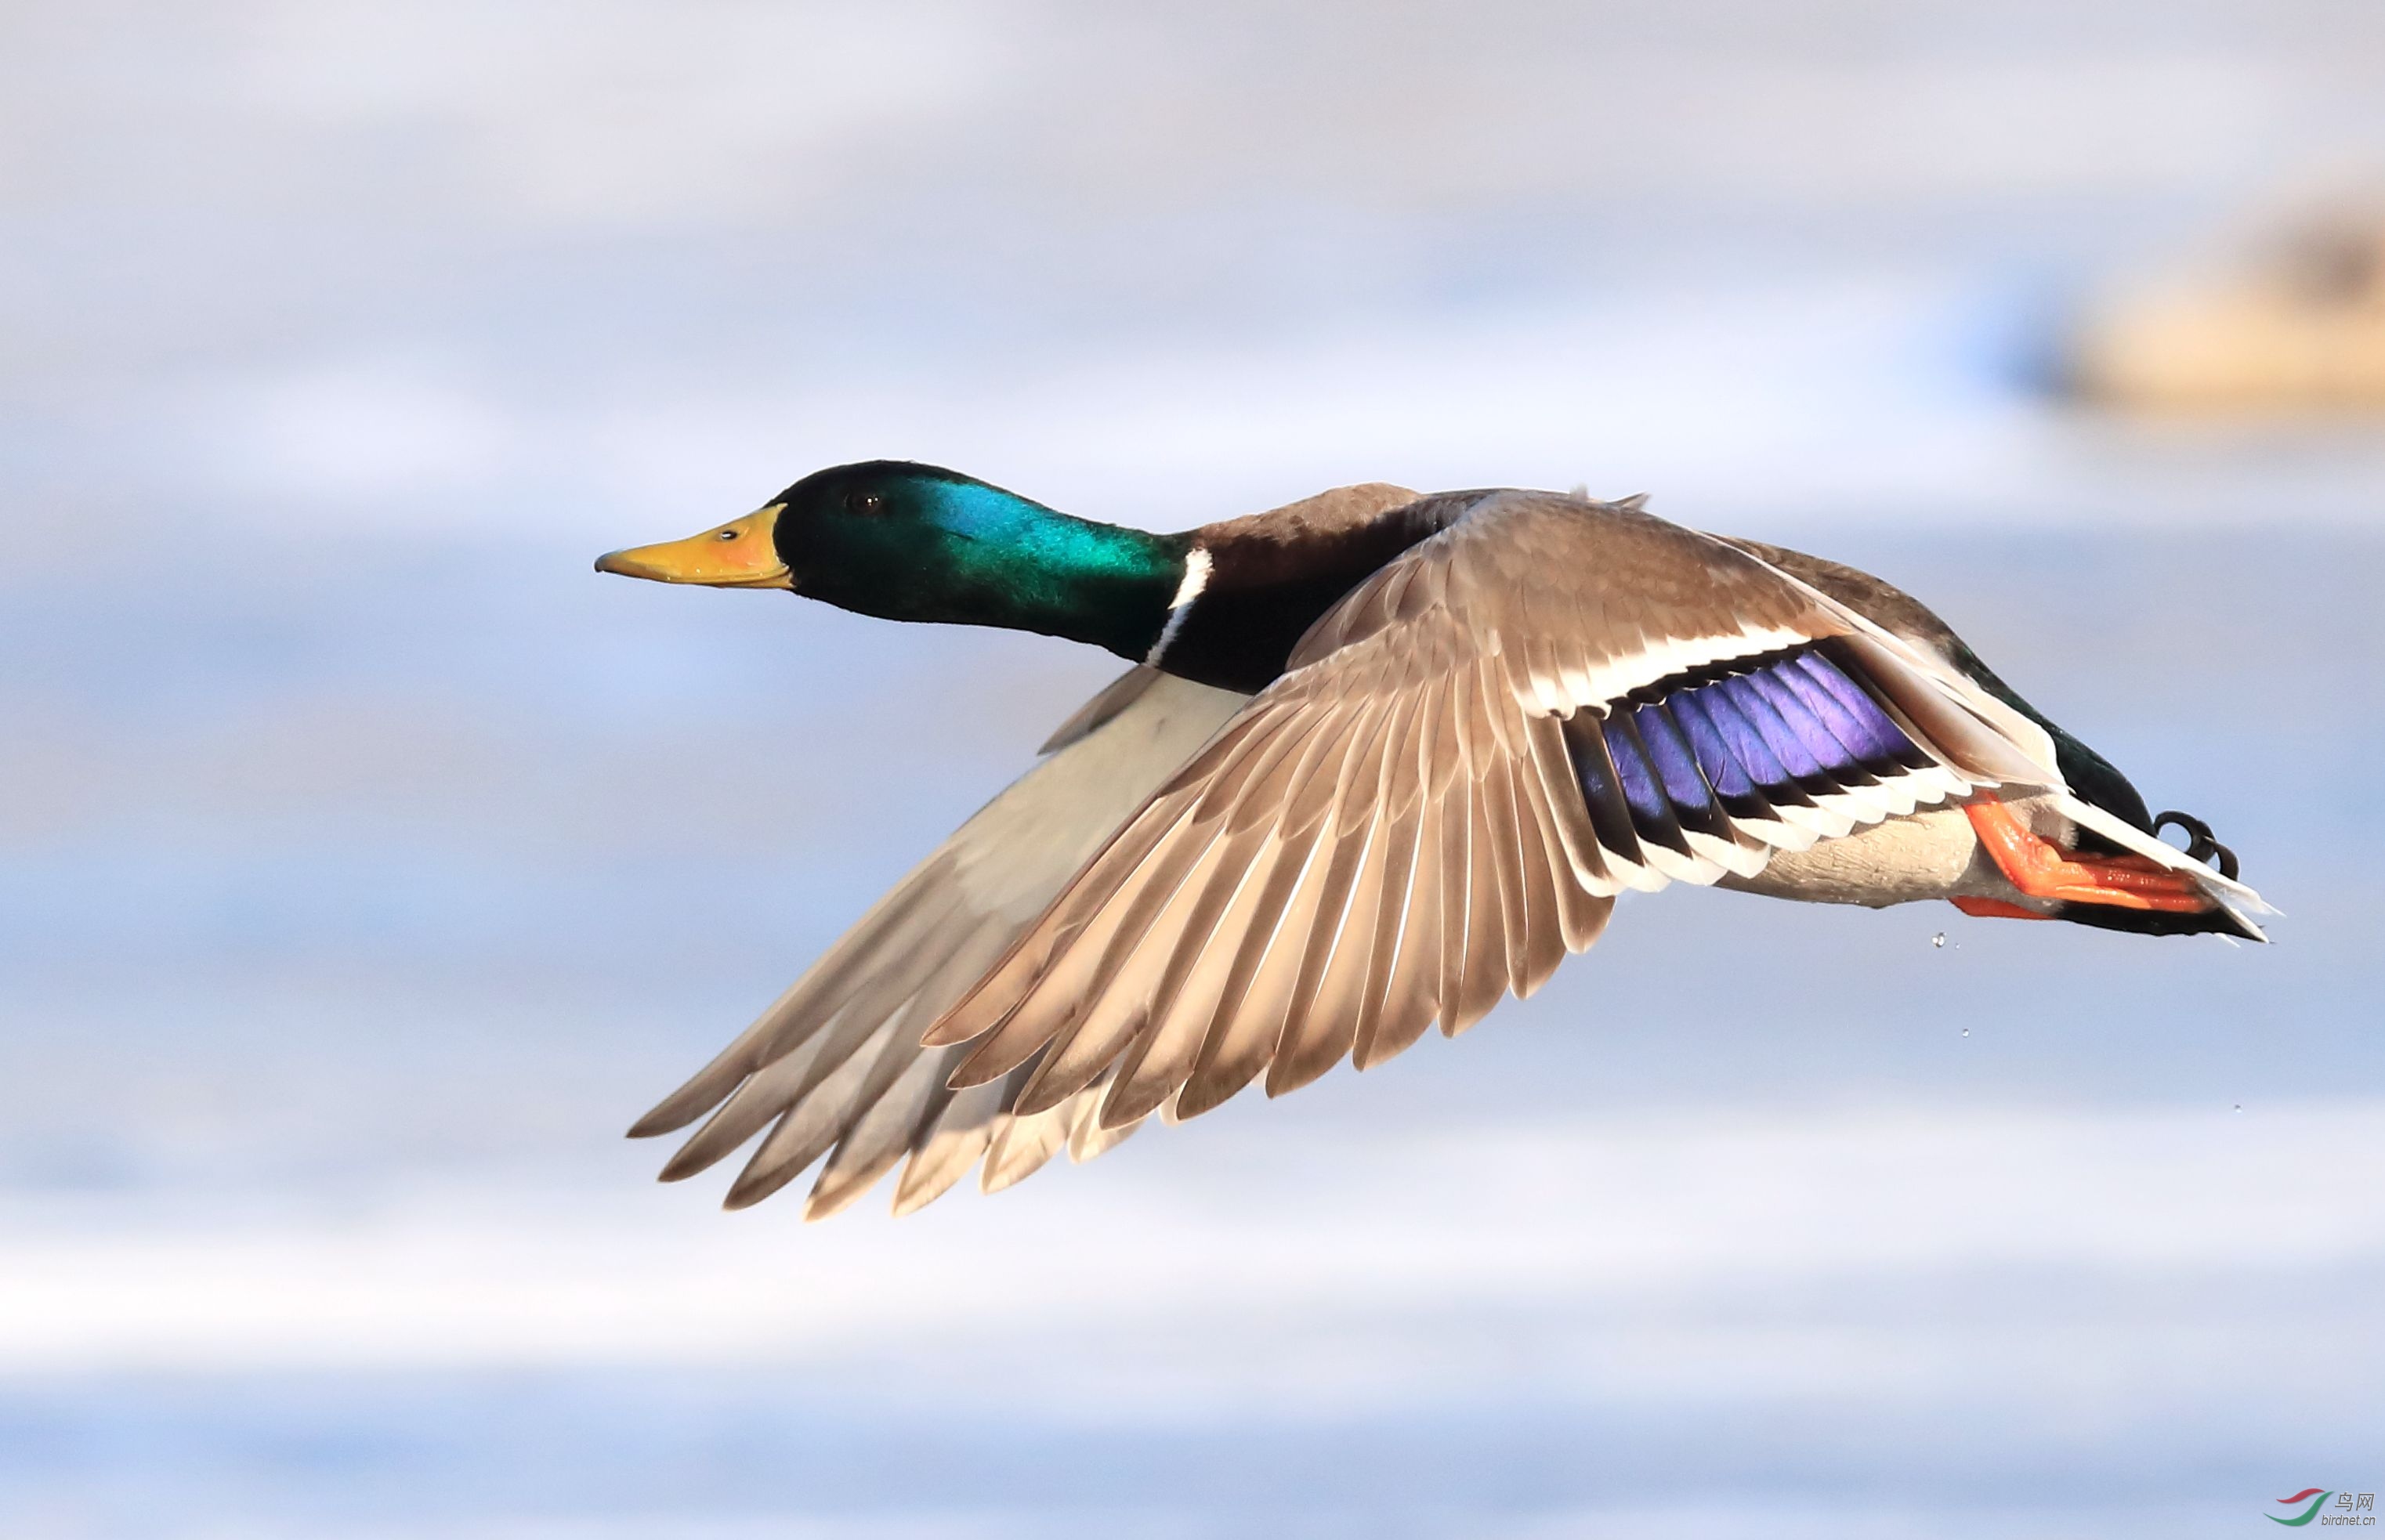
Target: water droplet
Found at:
x=1967, y=1032
x=1939, y=940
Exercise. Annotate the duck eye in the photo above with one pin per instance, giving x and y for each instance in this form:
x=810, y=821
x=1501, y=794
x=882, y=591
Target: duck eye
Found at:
x=865, y=502
x=729, y=534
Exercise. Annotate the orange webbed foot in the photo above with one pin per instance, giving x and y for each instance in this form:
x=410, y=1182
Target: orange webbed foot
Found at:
x=2043, y=870
x=1995, y=909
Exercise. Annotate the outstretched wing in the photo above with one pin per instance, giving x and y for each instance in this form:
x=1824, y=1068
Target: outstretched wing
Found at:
x=836, y=1064
x=1549, y=701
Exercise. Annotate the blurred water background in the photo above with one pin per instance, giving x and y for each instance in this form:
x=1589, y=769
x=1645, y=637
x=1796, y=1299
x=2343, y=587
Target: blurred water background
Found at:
x=367, y=863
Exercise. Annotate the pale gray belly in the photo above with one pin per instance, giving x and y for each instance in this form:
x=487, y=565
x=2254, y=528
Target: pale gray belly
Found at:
x=1928, y=854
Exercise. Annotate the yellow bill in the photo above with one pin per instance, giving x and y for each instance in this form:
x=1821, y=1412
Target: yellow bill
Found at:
x=739, y=554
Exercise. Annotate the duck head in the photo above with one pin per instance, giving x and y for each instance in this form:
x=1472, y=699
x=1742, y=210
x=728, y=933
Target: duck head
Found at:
x=907, y=542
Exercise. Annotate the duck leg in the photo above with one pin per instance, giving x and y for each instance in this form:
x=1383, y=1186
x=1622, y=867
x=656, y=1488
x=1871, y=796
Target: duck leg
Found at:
x=2043, y=870
x=1994, y=909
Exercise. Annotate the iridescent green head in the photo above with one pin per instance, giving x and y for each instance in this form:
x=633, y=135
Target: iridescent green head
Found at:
x=910, y=542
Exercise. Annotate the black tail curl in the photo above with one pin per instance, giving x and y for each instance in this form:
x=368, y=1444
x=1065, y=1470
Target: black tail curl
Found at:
x=2200, y=846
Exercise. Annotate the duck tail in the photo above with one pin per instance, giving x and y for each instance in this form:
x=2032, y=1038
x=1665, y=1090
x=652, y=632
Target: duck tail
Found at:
x=2234, y=904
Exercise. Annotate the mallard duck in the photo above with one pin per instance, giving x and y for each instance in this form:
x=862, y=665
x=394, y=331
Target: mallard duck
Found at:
x=1381, y=759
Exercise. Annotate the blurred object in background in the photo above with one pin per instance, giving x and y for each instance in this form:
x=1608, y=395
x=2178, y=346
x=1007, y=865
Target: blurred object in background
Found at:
x=2299, y=326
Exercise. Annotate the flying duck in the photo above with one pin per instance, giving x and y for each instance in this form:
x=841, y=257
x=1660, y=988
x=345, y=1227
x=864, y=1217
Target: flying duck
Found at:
x=1381, y=759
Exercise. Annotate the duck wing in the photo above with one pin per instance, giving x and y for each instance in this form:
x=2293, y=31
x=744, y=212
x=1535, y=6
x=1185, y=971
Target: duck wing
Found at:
x=1547, y=701
x=836, y=1062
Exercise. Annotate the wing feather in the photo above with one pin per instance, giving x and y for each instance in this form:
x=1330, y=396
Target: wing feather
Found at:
x=1440, y=798
x=837, y=1061
x=951, y=1144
